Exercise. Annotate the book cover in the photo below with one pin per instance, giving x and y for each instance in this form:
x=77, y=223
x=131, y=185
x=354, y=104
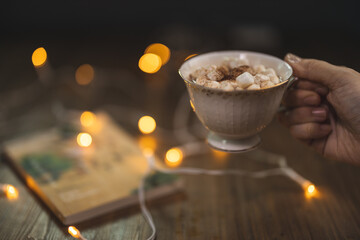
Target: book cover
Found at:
x=79, y=183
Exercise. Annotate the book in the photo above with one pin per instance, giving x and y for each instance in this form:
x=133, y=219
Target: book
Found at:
x=79, y=183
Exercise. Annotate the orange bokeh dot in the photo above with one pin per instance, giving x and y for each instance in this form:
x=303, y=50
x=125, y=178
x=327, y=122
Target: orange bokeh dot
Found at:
x=161, y=50
x=150, y=63
x=84, y=74
x=39, y=57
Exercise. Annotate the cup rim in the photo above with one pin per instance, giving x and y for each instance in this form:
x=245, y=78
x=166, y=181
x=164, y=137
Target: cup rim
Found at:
x=235, y=90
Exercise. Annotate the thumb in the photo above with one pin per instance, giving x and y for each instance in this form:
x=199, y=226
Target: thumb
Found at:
x=316, y=70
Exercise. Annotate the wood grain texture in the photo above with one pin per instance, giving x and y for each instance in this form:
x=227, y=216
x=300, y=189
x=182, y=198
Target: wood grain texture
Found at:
x=224, y=207
x=212, y=208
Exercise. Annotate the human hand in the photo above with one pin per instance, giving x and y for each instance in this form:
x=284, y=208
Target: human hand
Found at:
x=323, y=108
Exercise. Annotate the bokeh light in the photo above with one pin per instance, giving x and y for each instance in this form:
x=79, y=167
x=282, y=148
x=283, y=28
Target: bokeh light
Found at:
x=39, y=57
x=84, y=74
x=74, y=232
x=147, y=124
x=310, y=190
x=87, y=119
x=161, y=50
x=190, y=56
x=11, y=192
x=173, y=157
x=84, y=139
x=146, y=141
x=150, y=63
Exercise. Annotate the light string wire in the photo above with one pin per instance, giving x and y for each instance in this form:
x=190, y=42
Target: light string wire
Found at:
x=282, y=170
x=192, y=147
x=181, y=118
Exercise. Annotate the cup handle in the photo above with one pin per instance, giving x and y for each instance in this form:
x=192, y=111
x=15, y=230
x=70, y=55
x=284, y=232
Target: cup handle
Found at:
x=291, y=81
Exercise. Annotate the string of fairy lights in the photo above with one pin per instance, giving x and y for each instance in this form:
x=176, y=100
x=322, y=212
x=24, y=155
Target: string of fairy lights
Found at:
x=154, y=57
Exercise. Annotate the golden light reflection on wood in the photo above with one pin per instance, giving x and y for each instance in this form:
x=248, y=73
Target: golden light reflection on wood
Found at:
x=219, y=154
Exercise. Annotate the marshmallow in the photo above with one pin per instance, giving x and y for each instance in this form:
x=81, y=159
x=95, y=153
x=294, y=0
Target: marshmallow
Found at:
x=235, y=74
x=261, y=78
x=215, y=75
x=226, y=86
x=201, y=80
x=266, y=84
x=274, y=79
x=269, y=72
x=259, y=68
x=244, y=80
x=198, y=72
x=223, y=69
x=231, y=82
x=212, y=84
x=235, y=62
x=254, y=86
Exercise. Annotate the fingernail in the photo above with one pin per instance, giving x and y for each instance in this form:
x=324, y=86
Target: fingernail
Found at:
x=321, y=91
x=325, y=127
x=311, y=100
x=319, y=113
x=292, y=58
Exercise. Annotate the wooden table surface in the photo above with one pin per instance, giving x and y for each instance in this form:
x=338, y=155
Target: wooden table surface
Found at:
x=221, y=207
x=224, y=207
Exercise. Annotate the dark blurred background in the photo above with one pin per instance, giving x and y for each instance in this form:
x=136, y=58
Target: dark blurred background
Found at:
x=321, y=29
x=112, y=36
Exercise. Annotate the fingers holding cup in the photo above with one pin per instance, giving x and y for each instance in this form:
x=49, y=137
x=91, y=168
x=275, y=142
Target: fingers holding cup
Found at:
x=308, y=131
x=312, y=86
x=300, y=97
x=303, y=115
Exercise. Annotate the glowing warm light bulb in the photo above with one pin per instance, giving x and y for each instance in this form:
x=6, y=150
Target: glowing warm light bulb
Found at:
x=84, y=74
x=87, y=119
x=190, y=56
x=310, y=190
x=84, y=139
x=75, y=233
x=150, y=63
x=173, y=157
x=39, y=57
x=147, y=124
x=161, y=50
x=10, y=191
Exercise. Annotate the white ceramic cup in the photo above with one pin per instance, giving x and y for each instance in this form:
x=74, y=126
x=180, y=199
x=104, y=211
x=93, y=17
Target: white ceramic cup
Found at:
x=234, y=118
